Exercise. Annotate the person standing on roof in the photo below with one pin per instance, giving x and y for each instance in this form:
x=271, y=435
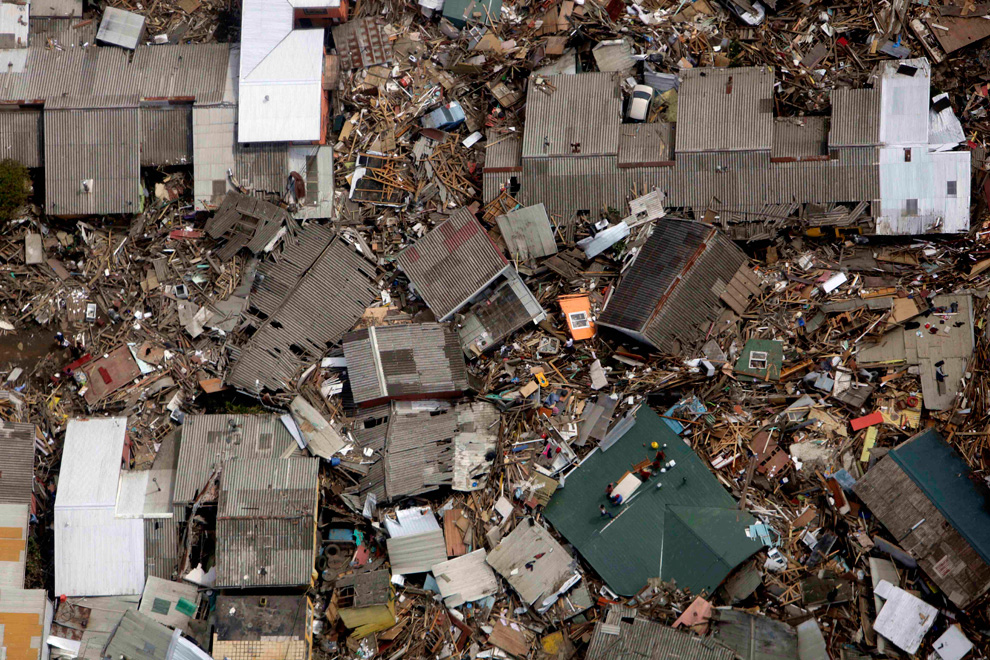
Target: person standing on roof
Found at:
x=605, y=512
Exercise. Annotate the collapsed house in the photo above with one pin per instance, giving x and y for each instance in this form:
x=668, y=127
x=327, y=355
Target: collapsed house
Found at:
x=266, y=626
x=885, y=161
x=265, y=495
x=682, y=279
x=460, y=273
x=675, y=520
x=404, y=362
x=926, y=496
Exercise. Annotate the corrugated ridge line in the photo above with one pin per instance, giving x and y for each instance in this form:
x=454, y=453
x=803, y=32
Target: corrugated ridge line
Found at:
x=282, y=276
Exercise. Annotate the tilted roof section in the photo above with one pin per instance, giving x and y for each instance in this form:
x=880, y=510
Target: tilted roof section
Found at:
x=725, y=109
x=690, y=530
x=573, y=115
x=404, y=360
x=625, y=634
x=452, y=263
x=91, y=462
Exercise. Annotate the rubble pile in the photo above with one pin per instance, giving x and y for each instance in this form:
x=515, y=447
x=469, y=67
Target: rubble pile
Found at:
x=488, y=329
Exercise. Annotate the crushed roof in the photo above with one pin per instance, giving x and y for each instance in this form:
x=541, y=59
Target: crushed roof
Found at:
x=624, y=634
x=552, y=573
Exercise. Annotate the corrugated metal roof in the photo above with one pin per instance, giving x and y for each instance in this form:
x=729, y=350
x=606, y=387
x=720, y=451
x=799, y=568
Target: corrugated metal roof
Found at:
x=417, y=553
x=161, y=547
x=404, y=360
x=551, y=573
x=91, y=457
x=210, y=441
x=251, y=619
x=686, y=316
x=497, y=312
x=725, y=109
x=279, y=278
x=855, y=117
x=22, y=137
x=418, y=451
x=270, y=487
x=97, y=77
x=55, y=8
x=138, y=637
x=105, y=613
x=659, y=265
x=248, y=222
x=98, y=147
x=65, y=32
x=452, y=262
x=573, y=115
x=373, y=588
x=624, y=635
x=325, y=303
x=96, y=553
x=362, y=43
x=527, y=232
x=166, y=135
x=503, y=150
x=754, y=636
x=799, y=137
x=465, y=579
x=17, y=459
x=642, y=145
x=254, y=552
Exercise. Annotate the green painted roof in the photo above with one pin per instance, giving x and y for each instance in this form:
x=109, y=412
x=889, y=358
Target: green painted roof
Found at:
x=775, y=360
x=690, y=530
x=944, y=476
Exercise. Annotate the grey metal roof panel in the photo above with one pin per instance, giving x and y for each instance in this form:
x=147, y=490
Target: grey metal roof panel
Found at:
x=452, y=262
x=754, y=636
x=573, y=115
x=166, y=135
x=372, y=588
x=105, y=76
x=527, y=232
x=855, y=117
x=416, y=553
x=210, y=441
x=624, y=635
x=325, y=303
x=60, y=8
x=725, y=109
x=255, y=552
x=799, y=137
x=661, y=263
x=404, y=360
x=65, y=32
x=21, y=131
x=138, y=637
x=551, y=572
x=419, y=452
x=161, y=547
x=101, y=146
x=503, y=150
x=17, y=459
x=361, y=43
x=278, y=278
x=272, y=487
x=121, y=28
x=642, y=145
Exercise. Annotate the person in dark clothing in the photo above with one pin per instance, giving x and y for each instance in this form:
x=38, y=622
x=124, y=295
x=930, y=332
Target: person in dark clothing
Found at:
x=605, y=512
x=608, y=490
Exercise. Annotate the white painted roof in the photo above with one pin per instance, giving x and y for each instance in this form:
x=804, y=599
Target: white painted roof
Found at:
x=98, y=554
x=91, y=462
x=904, y=95
x=281, y=74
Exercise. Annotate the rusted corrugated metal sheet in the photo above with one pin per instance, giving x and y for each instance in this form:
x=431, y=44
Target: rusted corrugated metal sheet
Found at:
x=624, y=633
x=21, y=131
x=166, y=135
x=327, y=301
x=855, y=118
x=725, y=109
x=553, y=128
x=92, y=165
x=452, y=263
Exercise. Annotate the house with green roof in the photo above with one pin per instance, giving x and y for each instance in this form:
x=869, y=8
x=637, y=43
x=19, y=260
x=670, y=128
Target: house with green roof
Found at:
x=928, y=498
x=679, y=525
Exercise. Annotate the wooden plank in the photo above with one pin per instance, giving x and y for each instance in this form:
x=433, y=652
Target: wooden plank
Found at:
x=452, y=535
